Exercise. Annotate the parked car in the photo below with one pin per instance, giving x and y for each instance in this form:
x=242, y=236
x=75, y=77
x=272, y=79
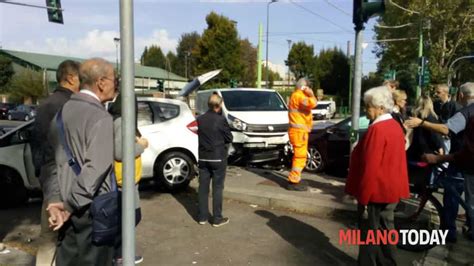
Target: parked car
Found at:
x=171, y=157
x=17, y=176
x=330, y=147
x=258, y=119
x=22, y=112
x=171, y=130
x=4, y=108
x=324, y=110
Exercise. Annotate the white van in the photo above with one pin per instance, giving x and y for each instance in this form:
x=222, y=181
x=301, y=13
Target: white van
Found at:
x=324, y=110
x=258, y=119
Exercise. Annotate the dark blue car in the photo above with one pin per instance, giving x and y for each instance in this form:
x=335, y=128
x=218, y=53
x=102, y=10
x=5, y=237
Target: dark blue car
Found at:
x=22, y=112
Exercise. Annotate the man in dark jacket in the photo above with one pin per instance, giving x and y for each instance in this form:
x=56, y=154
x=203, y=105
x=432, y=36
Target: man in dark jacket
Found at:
x=214, y=133
x=67, y=76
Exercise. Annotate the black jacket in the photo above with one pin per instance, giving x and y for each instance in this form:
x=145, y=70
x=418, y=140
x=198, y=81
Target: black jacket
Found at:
x=214, y=133
x=424, y=141
x=41, y=149
x=445, y=110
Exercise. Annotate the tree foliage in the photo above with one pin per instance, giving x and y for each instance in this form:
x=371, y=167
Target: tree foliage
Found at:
x=27, y=83
x=248, y=59
x=6, y=73
x=186, y=47
x=153, y=56
x=219, y=48
x=332, y=72
x=301, y=61
x=447, y=31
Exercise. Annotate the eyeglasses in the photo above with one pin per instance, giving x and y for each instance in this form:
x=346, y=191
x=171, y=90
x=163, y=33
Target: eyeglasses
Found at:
x=116, y=81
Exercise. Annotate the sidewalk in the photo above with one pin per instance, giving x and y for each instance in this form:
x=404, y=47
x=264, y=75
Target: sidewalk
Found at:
x=324, y=198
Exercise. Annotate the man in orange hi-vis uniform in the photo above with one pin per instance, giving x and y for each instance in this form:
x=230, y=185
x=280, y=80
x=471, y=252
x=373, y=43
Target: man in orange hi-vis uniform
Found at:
x=302, y=101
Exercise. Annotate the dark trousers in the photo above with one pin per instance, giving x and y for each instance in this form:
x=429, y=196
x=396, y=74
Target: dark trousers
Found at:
x=216, y=172
x=453, y=189
x=75, y=246
x=380, y=217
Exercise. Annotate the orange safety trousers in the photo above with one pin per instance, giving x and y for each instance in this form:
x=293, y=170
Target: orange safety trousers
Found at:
x=299, y=141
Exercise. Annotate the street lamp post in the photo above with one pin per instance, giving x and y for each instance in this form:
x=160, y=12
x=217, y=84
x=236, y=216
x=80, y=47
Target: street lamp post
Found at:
x=289, y=49
x=266, y=57
x=186, y=55
x=452, y=64
x=117, y=42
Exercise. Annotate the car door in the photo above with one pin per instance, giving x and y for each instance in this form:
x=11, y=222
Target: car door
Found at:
x=338, y=142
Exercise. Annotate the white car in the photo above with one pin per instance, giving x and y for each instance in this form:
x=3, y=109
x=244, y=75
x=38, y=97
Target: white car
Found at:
x=171, y=130
x=170, y=158
x=324, y=110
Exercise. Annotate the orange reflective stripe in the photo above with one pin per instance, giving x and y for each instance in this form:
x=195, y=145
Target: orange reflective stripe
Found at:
x=297, y=169
x=305, y=102
x=301, y=126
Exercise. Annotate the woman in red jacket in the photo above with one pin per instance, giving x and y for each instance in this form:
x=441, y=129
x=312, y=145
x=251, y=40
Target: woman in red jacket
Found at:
x=378, y=176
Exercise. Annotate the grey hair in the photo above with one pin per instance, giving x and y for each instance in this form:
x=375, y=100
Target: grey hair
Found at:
x=93, y=69
x=467, y=89
x=303, y=82
x=379, y=97
x=214, y=101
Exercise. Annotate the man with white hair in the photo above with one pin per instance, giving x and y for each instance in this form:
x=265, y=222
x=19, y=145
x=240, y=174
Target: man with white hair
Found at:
x=302, y=101
x=455, y=127
x=84, y=155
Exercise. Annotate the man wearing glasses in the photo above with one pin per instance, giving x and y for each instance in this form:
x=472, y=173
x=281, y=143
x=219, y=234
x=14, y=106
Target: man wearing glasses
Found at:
x=88, y=131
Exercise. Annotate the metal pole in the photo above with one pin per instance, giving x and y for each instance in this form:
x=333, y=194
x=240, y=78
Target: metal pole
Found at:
x=128, y=132
x=420, y=55
x=29, y=5
x=452, y=64
x=289, y=49
x=186, y=65
x=266, y=50
x=350, y=73
x=259, y=56
x=357, y=86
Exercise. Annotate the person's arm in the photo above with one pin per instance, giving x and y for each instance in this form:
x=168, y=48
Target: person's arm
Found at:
x=436, y=159
x=308, y=102
x=99, y=154
x=139, y=149
x=225, y=129
x=414, y=122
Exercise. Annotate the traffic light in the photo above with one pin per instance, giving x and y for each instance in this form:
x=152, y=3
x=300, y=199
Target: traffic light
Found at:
x=55, y=14
x=233, y=83
x=160, y=85
x=363, y=10
x=390, y=75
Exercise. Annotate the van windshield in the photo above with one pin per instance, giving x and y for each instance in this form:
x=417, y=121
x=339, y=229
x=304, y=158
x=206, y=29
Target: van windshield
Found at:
x=321, y=106
x=240, y=100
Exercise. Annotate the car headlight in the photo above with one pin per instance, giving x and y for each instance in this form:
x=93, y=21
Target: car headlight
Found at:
x=237, y=124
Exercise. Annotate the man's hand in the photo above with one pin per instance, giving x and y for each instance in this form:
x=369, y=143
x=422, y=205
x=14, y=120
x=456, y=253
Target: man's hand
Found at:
x=143, y=142
x=430, y=158
x=308, y=91
x=57, y=215
x=413, y=122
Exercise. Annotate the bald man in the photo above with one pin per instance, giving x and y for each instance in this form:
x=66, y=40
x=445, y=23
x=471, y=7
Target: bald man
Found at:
x=88, y=132
x=214, y=134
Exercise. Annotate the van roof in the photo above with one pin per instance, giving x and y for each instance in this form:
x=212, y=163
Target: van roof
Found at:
x=236, y=89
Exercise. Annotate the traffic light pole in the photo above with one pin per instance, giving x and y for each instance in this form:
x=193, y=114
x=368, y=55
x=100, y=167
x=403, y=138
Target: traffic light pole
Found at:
x=128, y=132
x=356, y=93
x=420, y=56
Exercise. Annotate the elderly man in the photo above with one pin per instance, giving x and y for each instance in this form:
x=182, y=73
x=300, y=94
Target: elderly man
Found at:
x=301, y=102
x=67, y=76
x=88, y=132
x=214, y=134
x=378, y=176
x=455, y=127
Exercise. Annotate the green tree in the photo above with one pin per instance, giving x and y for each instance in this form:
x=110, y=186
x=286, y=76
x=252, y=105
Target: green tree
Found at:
x=6, y=73
x=447, y=30
x=27, y=84
x=301, y=61
x=219, y=48
x=332, y=72
x=248, y=58
x=187, y=46
x=154, y=57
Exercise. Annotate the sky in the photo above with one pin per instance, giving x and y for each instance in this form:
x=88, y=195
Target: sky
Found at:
x=91, y=25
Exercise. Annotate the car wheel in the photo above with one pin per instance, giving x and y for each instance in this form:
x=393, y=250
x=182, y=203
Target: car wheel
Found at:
x=315, y=161
x=174, y=171
x=27, y=117
x=12, y=191
x=9, y=117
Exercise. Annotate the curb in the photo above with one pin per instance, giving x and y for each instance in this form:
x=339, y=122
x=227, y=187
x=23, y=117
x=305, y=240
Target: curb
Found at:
x=286, y=202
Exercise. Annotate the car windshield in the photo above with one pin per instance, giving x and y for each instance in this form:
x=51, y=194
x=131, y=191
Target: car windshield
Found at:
x=364, y=122
x=321, y=106
x=241, y=100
